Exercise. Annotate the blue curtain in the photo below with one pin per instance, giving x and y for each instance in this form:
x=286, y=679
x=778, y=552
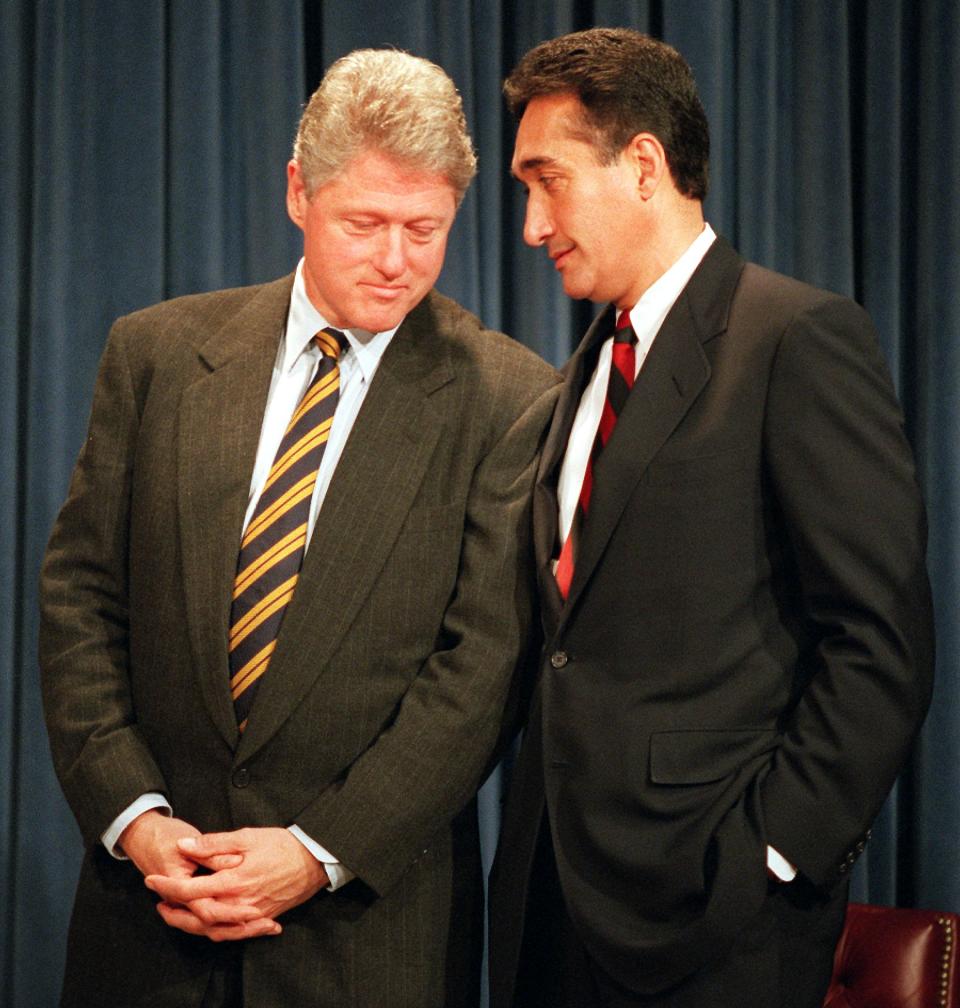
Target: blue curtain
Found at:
x=144, y=150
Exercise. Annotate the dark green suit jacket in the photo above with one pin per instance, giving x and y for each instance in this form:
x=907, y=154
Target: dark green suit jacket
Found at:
x=383, y=700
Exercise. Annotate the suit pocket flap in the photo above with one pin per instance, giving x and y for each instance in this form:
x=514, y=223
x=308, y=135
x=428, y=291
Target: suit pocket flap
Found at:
x=703, y=755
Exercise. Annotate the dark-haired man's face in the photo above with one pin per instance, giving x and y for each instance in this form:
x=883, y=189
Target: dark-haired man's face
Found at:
x=589, y=216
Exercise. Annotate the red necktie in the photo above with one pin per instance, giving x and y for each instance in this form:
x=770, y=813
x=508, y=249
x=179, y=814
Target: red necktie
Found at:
x=622, y=368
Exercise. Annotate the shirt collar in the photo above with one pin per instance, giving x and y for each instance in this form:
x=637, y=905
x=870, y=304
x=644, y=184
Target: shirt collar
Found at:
x=304, y=322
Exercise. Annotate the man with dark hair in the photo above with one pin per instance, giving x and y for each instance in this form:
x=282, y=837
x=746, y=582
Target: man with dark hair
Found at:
x=283, y=603
x=730, y=546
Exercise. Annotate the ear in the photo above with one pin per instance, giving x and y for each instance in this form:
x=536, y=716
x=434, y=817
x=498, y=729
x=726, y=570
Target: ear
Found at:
x=648, y=159
x=297, y=198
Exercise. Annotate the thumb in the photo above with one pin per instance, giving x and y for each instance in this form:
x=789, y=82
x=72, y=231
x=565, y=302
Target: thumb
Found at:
x=215, y=850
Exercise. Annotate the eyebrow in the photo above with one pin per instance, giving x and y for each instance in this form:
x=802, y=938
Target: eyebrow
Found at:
x=529, y=164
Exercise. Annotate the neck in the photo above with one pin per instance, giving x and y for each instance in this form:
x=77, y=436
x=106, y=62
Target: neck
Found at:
x=674, y=226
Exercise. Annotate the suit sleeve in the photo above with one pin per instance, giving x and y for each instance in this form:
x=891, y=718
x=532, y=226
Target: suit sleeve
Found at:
x=427, y=764
x=843, y=477
x=100, y=758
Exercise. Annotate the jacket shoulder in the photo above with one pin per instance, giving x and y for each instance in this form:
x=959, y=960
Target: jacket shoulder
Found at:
x=779, y=295
x=485, y=354
x=191, y=317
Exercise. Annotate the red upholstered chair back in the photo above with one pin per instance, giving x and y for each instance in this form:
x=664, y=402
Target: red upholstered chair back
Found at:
x=893, y=958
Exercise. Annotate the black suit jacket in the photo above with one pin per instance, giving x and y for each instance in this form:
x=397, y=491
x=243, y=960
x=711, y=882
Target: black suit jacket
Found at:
x=746, y=650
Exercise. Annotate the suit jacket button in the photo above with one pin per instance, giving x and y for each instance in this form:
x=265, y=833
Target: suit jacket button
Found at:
x=241, y=777
x=558, y=659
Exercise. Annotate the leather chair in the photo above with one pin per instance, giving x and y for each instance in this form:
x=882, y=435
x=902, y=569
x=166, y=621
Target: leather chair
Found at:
x=895, y=958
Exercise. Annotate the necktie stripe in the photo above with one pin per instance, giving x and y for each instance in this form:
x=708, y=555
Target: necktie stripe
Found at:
x=283, y=548
x=586, y=490
x=312, y=439
x=617, y=392
x=324, y=387
x=262, y=611
x=620, y=382
x=279, y=571
x=252, y=670
x=328, y=343
x=271, y=553
x=608, y=419
x=302, y=488
x=250, y=679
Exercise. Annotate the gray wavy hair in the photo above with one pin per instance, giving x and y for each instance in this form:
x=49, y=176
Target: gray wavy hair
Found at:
x=388, y=101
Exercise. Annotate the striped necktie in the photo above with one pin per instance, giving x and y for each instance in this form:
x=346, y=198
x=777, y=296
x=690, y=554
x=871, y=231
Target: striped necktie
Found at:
x=273, y=545
x=622, y=368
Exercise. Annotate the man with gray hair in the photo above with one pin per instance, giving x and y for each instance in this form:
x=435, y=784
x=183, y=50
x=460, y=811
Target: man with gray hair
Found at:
x=285, y=597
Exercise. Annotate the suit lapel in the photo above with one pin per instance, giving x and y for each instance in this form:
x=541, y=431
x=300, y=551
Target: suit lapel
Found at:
x=672, y=377
x=373, y=487
x=220, y=419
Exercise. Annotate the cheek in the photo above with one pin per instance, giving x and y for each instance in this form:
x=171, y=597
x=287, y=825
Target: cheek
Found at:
x=330, y=248
x=574, y=219
x=427, y=262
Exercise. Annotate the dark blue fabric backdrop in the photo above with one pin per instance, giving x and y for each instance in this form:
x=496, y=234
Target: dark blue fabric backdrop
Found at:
x=143, y=157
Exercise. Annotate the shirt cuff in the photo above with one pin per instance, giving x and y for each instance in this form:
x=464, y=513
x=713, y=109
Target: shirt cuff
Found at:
x=111, y=835
x=779, y=866
x=338, y=874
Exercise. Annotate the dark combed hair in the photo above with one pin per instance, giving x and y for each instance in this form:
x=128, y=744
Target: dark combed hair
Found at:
x=628, y=83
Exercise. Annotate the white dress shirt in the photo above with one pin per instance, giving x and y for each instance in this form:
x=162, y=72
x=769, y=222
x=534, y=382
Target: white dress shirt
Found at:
x=646, y=317
x=295, y=366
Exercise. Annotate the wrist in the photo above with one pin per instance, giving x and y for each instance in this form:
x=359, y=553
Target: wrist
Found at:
x=315, y=869
x=138, y=828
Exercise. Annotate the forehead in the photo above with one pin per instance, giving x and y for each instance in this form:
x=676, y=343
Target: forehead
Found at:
x=551, y=129
x=375, y=176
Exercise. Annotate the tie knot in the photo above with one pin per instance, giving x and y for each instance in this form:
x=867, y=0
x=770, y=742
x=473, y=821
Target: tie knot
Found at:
x=331, y=342
x=623, y=333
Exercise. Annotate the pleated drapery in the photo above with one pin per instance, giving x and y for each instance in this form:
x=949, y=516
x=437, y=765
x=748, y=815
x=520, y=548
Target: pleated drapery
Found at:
x=144, y=150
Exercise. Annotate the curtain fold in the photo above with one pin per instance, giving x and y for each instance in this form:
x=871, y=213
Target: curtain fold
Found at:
x=929, y=341
x=144, y=154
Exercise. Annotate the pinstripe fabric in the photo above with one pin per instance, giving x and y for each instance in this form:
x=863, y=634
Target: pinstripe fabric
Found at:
x=399, y=648
x=273, y=545
x=622, y=368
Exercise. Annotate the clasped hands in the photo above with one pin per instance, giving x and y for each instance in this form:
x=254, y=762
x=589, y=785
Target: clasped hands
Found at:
x=255, y=875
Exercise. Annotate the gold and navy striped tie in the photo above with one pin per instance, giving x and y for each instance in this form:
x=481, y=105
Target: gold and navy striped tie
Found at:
x=273, y=545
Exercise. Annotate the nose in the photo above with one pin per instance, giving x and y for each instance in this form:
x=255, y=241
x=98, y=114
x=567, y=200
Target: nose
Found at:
x=538, y=224
x=390, y=257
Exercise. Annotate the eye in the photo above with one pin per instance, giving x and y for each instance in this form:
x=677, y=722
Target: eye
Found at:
x=421, y=232
x=360, y=225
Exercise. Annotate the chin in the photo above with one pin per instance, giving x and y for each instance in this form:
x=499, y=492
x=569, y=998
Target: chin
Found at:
x=577, y=293
x=378, y=320
x=383, y=324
